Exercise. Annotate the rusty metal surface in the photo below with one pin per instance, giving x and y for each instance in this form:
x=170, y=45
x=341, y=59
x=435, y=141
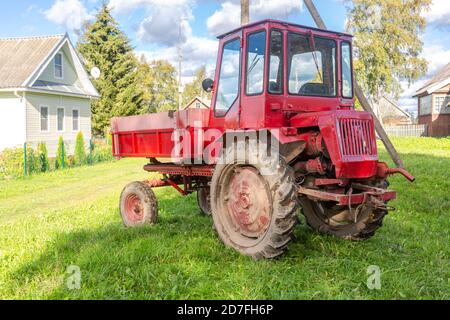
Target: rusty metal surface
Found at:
x=173, y=169
x=366, y=196
x=248, y=202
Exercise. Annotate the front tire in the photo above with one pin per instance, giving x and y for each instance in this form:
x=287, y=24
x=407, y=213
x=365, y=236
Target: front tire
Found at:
x=359, y=223
x=254, y=214
x=204, y=201
x=138, y=205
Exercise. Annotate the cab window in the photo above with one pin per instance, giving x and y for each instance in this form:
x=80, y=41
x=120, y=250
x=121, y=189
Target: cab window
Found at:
x=347, y=77
x=276, y=63
x=312, y=66
x=256, y=61
x=228, y=87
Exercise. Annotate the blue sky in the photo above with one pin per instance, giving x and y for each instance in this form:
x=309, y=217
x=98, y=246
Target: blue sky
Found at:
x=153, y=25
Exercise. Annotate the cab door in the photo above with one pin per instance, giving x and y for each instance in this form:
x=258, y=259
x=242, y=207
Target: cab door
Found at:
x=226, y=97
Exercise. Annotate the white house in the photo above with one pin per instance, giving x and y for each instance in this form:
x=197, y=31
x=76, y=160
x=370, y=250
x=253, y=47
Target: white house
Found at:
x=45, y=93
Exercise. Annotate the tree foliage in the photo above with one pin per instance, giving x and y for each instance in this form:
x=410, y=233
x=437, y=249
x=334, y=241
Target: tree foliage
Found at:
x=44, y=164
x=387, y=43
x=105, y=46
x=195, y=89
x=80, y=151
x=61, y=160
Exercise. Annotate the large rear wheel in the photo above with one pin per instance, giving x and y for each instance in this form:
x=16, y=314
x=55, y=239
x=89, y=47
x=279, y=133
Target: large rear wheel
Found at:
x=253, y=213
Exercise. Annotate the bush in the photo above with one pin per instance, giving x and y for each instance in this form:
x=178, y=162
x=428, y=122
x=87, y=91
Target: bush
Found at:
x=61, y=159
x=44, y=163
x=101, y=152
x=80, y=151
x=11, y=162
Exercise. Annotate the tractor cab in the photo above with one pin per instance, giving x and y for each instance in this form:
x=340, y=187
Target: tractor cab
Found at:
x=269, y=71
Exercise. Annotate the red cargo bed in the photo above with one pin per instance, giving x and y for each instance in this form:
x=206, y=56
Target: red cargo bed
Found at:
x=150, y=136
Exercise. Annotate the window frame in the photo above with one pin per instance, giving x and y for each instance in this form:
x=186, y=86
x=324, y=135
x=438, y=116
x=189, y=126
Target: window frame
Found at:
x=40, y=118
x=283, y=49
x=223, y=115
x=78, y=120
x=246, y=62
x=351, y=70
x=430, y=111
x=62, y=66
x=336, y=61
x=63, y=120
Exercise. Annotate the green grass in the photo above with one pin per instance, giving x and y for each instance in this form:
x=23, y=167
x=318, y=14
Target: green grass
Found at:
x=50, y=222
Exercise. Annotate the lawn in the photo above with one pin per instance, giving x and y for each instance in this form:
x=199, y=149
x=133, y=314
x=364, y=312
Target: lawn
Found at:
x=50, y=222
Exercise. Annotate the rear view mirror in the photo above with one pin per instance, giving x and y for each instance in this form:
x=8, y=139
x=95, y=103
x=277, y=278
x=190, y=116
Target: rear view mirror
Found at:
x=208, y=85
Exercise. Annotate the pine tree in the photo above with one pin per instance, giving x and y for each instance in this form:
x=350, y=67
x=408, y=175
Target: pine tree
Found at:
x=105, y=46
x=80, y=151
x=44, y=164
x=61, y=155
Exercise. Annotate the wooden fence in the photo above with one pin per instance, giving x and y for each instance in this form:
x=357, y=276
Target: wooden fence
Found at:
x=412, y=130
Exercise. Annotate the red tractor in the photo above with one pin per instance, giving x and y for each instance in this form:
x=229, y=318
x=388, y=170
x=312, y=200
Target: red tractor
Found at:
x=281, y=135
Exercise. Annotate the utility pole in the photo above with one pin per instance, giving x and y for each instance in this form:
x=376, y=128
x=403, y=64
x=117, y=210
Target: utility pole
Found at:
x=360, y=95
x=245, y=12
x=180, y=65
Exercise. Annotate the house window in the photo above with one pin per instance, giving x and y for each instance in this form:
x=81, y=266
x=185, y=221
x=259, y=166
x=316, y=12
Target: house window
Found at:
x=60, y=119
x=425, y=105
x=75, y=120
x=58, y=66
x=441, y=104
x=197, y=105
x=44, y=118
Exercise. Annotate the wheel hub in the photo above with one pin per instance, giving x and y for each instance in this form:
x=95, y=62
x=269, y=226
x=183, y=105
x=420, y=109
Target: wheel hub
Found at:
x=248, y=202
x=134, y=209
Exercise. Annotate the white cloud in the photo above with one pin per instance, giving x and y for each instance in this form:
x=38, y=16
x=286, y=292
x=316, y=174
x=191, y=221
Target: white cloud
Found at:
x=229, y=15
x=130, y=5
x=162, y=25
x=197, y=52
x=68, y=13
x=437, y=57
x=439, y=13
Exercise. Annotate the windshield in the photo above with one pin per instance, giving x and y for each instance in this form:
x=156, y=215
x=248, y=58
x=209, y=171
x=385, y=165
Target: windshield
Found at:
x=312, y=66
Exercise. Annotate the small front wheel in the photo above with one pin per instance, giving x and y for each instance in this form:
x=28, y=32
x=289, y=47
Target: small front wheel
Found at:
x=138, y=205
x=204, y=201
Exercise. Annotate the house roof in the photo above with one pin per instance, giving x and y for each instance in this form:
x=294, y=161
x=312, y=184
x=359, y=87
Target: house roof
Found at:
x=22, y=61
x=205, y=102
x=441, y=79
x=396, y=107
x=20, y=57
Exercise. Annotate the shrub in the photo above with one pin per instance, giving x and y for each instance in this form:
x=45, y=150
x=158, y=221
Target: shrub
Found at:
x=44, y=163
x=80, y=151
x=11, y=162
x=101, y=152
x=61, y=159
x=32, y=161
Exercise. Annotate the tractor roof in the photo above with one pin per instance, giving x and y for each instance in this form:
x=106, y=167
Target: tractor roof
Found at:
x=288, y=24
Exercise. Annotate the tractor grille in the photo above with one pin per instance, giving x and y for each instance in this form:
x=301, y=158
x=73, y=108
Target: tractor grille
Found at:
x=357, y=137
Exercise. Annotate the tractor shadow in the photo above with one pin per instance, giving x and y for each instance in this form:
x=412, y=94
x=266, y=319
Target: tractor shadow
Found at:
x=182, y=257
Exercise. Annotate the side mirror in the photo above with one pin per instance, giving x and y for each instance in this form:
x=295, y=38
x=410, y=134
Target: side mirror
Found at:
x=208, y=85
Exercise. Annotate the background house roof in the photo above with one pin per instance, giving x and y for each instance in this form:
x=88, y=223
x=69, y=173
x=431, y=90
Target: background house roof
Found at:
x=441, y=79
x=21, y=57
